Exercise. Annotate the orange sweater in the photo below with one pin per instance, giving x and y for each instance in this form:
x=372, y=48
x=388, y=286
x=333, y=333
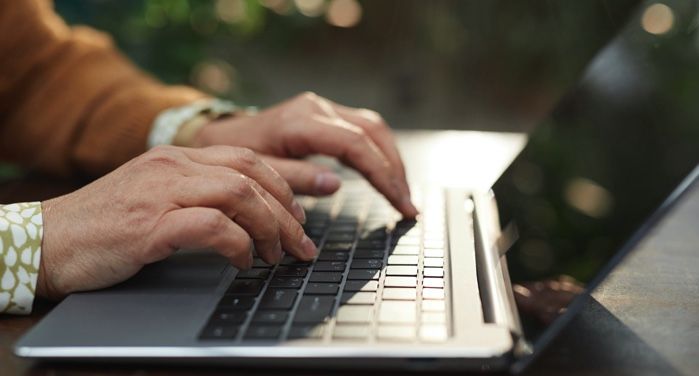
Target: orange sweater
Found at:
x=69, y=102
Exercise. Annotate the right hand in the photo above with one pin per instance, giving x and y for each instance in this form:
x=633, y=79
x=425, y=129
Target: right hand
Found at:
x=169, y=198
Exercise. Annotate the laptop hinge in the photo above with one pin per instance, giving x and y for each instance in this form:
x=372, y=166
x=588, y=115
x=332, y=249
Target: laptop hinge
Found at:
x=497, y=295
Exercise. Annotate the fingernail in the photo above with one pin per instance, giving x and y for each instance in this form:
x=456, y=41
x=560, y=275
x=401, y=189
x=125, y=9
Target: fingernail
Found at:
x=326, y=183
x=250, y=261
x=279, y=252
x=308, y=248
x=299, y=213
x=411, y=209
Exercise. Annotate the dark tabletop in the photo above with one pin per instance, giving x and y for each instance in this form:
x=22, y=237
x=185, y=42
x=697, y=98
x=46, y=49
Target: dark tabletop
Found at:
x=644, y=319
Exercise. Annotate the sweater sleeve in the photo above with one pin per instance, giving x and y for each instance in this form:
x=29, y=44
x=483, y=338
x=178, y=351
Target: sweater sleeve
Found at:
x=69, y=102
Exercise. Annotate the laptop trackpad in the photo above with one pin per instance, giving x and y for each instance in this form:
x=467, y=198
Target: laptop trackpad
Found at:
x=186, y=272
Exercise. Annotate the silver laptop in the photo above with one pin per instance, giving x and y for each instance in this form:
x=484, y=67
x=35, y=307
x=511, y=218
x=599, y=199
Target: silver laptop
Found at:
x=483, y=280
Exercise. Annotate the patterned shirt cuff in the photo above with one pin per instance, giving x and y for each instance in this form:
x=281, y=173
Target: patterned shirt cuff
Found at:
x=21, y=231
x=169, y=122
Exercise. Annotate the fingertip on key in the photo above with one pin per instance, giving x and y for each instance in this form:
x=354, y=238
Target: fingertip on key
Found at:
x=308, y=247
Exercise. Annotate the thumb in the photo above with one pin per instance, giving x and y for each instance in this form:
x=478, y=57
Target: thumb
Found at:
x=305, y=177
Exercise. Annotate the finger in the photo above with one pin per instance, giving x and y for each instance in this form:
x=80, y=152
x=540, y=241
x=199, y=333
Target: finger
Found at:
x=195, y=228
x=305, y=177
x=234, y=195
x=246, y=162
x=270, y=225
x=372, y=123
x=350, y=144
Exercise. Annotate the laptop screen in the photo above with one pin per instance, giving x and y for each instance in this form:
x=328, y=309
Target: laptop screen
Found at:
x=610, y=153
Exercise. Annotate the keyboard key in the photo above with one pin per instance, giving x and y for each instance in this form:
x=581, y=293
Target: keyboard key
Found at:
x=337, y=246
x=270, y=317
x=406, y=250
x=317, y=288
x=433, y=294
x=355, y=332
x=392, y=293
x=286, y=282
x=364, y=274
x=238, y=303
x=401, y=270
x=291, y=260
x=361, y=286
x=278, y=299
x=433, y=272
x=259, y=263
x=433, y=262
x=402, y=260
x=245, y=287
x=255, y=273
x=433, y=306
x=263, y=332
x=432, y=243
x=407, y=241
x=396, y=333
x=433, y=318
x=333, y=256
x=366, y=264
x=329, y=266
x=355, y=314
x=371, y=244
x=400, y=281
x=230, y=317
x=306, y=331
x=326, y=277
x=343, y=227
x=314, y=309
x=437, y=283
x=342, y=237
x=358, y=298
x=220, y=331
x=433, y=252
x=433, y=333
x=369, y=254
x=397, y=312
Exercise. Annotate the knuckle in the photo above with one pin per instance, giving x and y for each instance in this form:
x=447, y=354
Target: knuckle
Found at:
x=163, y=155
x=246, y=157
x=243, y=189
x=308, y=96
x=214, y=222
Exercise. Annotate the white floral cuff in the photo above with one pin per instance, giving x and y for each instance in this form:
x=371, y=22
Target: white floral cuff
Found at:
x=21, y=231
x=169, y=122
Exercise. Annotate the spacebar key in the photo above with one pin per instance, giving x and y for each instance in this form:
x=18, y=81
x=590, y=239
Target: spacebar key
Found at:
x=314, y=309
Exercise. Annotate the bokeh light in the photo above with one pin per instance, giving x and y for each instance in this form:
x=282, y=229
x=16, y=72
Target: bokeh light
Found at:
x=658, y=19
x=310, y=8
x=282, y=7
x=232, y=11
x=214, y=76
x=344, y=13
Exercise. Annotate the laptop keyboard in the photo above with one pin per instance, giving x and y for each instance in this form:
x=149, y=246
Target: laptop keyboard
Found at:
x=376, y=278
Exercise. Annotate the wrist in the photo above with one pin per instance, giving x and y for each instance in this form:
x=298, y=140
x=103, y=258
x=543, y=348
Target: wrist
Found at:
x=50, y=252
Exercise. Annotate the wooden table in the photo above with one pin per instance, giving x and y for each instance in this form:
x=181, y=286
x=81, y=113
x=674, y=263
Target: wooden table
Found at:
x=644, y=320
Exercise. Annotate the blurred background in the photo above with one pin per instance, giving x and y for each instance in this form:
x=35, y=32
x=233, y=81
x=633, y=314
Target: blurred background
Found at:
x=491, y=65
x=441, y=64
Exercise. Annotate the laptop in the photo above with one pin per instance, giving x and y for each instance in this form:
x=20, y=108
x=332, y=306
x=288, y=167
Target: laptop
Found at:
x=484, y=279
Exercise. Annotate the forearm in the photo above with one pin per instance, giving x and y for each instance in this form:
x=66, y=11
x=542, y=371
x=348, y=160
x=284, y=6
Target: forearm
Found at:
x=69, y=102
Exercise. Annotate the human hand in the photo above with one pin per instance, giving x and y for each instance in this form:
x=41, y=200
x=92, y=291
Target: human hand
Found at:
x=169, y=198
x=547, y=299
x=309, y=124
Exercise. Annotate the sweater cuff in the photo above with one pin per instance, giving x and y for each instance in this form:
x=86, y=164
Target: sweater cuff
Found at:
x=21, y=231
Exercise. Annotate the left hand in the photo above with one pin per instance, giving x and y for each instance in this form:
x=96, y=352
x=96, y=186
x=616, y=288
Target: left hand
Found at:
x=309, y=124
